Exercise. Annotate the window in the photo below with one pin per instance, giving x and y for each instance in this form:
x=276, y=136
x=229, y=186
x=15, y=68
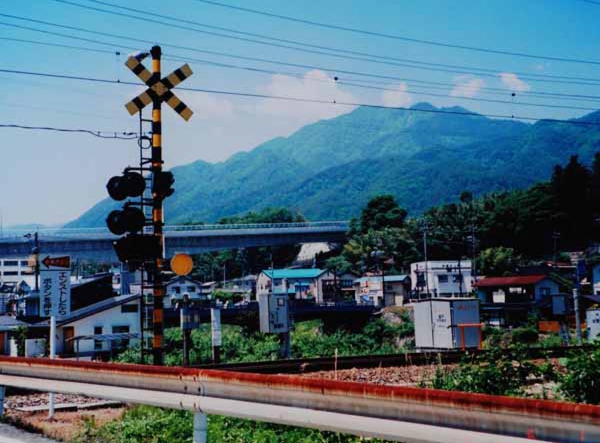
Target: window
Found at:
x=191, y=289
x=545, y=291
x=177, y=289
x=24, y=262
x=11, y=273
x=120, y=344
x=129, y=308
x=442, y=279
x=97, y=343
x=457, y=278
x=11, y=262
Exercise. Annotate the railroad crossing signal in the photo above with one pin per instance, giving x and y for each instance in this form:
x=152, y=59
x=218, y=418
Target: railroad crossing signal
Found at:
x=159, y=90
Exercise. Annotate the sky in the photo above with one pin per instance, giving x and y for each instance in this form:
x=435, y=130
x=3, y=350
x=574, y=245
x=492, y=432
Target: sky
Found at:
x=51, y=178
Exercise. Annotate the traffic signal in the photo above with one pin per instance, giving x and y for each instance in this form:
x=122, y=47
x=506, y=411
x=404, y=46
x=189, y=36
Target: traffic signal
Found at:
x=130, y=184
x=129, y=219
x=162, y=184
x=134, y=249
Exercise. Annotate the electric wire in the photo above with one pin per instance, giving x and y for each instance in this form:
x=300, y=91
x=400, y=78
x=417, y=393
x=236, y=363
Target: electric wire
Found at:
x=399, y=37
x=305, y=66
x=99, y=134
x=427, y=94
x=448, y=111
x=328, y=48
x=404, y=65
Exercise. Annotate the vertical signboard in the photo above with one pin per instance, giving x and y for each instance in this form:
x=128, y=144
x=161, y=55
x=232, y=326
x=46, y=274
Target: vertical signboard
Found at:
x=55, y=286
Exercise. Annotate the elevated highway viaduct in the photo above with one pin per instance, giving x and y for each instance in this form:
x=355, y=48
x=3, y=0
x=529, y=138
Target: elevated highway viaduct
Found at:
x=96, y=244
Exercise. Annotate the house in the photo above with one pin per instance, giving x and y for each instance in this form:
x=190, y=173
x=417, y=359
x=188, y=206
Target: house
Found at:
x=305, y=284
x=245, y=284
x=176, y=287
x=596, y=279
x=15, y=270
x=84, y=292
x=368, y=289
x=444, y=278
x=100, y=328
x=8, y=325
x=509, y=300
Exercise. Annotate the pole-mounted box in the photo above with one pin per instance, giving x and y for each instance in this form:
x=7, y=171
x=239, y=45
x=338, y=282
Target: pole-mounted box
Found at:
x=274, y=313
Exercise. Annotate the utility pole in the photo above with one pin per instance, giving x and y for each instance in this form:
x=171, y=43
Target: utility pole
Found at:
x=185, y=323
x=555, y=238
x=425, y=230
x=158, y=292
x=215, y=329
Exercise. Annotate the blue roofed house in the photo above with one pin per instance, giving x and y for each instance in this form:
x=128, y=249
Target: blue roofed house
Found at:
x=303, y=284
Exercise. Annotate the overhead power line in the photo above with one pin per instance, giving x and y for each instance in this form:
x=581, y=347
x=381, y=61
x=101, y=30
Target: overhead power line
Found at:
x=422, y=66
x=334, y=71
x=349, y=83
x=99, y=134
x=399, y=37
x=448, y=111
x=335, y=51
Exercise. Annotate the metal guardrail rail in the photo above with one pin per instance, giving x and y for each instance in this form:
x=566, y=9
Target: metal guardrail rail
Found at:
x=389, y=412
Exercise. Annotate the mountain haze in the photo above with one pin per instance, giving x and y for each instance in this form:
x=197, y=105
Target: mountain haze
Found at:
x=330, y=169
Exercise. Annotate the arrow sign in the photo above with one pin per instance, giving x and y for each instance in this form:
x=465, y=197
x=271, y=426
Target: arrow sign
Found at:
x=57, y=262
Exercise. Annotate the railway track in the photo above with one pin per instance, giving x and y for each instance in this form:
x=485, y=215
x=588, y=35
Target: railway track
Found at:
x=306, y=365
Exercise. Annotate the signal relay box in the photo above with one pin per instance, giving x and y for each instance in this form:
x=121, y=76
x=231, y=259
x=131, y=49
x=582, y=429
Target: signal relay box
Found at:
x=274, y=313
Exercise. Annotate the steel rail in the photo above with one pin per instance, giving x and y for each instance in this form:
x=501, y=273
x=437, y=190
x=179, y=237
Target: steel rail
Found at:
x=307, y=365
x=359, y=403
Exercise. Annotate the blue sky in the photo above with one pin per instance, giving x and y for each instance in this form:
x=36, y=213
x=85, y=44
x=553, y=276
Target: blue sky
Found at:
x=52, y=178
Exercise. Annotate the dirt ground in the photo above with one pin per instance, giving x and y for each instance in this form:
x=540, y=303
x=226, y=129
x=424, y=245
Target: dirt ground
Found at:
x=397, y=376
x=65, y=425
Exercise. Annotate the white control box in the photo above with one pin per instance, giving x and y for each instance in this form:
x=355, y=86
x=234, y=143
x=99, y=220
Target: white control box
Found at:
x=274, y=313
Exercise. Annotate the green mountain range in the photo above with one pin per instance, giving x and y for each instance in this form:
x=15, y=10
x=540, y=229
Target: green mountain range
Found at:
x=330, y=169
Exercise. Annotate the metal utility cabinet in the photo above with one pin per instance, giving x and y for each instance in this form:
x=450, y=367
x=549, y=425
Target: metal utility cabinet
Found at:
x=274, y=313
x=592, y=319
x=447, y=323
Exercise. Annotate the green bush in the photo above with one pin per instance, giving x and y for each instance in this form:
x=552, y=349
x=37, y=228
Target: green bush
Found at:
x=143, y=424
x=308, y=340
x=491, y=373
x=524, y=335
x=581, y=381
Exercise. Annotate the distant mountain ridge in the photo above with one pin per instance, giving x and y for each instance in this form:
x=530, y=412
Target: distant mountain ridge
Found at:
x=330, y=169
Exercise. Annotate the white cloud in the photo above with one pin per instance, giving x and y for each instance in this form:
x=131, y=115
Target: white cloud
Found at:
x=315, y=85
x=467, y=86
x=209, y=106
x=398, y=97
x=513, y=82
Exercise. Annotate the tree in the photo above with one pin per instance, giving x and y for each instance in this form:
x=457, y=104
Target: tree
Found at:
x=497, y=261
x=238, y=262
x=337, y=265
x=382, y=212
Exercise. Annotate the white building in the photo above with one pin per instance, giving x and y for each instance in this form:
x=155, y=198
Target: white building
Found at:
x=596, y=279
x=443, y=278
x=15, y=270
x=310, y=284
x=176, y=287
x=103, y=327
x=368, y=289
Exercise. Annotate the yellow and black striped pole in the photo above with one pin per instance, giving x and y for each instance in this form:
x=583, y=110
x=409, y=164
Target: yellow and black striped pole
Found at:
x=157, y=216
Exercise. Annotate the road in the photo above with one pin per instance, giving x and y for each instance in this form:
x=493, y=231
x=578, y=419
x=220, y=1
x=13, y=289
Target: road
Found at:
x=10, y=434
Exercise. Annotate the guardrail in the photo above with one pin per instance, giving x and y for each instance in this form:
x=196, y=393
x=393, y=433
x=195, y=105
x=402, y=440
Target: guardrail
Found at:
x=390, y=412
